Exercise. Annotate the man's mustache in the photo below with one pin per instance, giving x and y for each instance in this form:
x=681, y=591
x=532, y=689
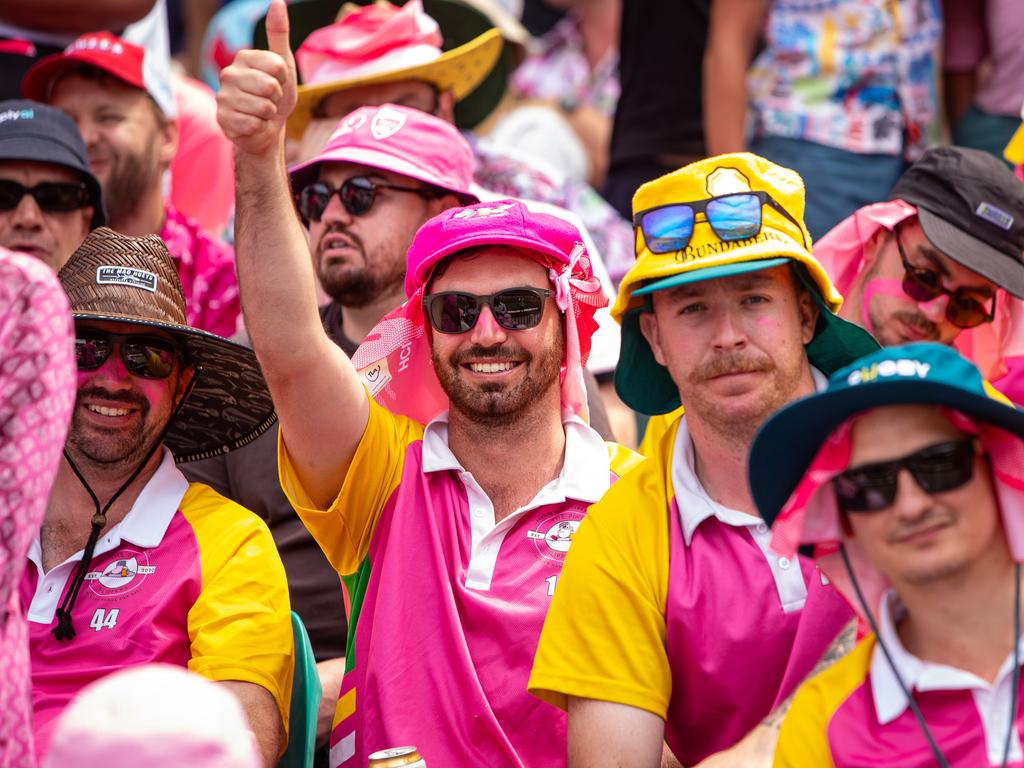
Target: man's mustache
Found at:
x=730, y=363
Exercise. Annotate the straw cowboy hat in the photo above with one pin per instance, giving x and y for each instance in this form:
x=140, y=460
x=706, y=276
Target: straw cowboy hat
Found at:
x=123, y=279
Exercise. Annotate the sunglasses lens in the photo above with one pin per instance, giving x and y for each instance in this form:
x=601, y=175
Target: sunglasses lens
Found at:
x=453, y=312
x=965, y=312
x=865, y=490
x=313, y=200
x=149, y=358
x=59, y=197
x=735, y=217
x=90, y=351
x=357, y=195
x=943, y=467
x=922, y=284
x=667, y=229
x=11, y=193
x=517, y=310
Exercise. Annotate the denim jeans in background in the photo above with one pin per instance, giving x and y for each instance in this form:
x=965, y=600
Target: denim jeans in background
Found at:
x=985, y=131
x=837, y=182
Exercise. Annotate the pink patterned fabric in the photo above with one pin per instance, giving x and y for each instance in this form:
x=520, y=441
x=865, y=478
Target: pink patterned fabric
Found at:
x=37, y=390
x=206, y=267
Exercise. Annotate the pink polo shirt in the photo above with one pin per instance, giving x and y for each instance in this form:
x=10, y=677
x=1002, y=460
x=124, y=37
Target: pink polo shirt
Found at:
x=446, y=604
x=674, y=604
x=186, y=578
x=855, y=713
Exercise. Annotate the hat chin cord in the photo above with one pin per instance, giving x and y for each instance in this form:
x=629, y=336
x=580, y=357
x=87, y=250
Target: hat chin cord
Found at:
x=1014, y=689
x=65, y=630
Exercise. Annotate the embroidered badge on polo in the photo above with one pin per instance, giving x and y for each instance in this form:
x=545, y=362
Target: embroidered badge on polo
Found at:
x=127, y=276
x=386, y=123
x=553, y=534
x=994, y=215
x=121, y=576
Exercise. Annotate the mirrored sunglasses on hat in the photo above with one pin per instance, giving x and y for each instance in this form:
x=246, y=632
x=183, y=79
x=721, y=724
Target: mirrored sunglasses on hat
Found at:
x=669, y=228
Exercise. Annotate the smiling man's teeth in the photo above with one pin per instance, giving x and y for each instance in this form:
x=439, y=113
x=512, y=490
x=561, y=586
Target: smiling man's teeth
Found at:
x=104, y=411
x=491, y=367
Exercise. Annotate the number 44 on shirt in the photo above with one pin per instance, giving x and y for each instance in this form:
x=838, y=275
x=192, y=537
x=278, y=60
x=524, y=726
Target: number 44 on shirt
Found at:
x=104, y=619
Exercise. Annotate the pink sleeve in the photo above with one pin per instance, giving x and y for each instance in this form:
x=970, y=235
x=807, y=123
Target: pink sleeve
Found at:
x=965, y=39
x=216, y=301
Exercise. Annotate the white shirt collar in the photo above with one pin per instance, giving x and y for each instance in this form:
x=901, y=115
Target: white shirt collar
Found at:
x=586, y=468
x=150, y=515
x=694, y=503
x=890, y=701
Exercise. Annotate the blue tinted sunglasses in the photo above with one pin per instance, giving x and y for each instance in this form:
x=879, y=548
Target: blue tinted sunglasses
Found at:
x=668, y=228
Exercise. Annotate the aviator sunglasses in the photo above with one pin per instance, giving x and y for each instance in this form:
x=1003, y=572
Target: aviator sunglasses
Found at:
x=936, y=468
x=669, y=228
x=149, y=357
x=921, y=284
x=357, y=196
x=514, y=309
x=50, y=196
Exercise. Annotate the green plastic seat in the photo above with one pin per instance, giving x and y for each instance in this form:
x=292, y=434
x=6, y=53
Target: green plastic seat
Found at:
x=306, y=692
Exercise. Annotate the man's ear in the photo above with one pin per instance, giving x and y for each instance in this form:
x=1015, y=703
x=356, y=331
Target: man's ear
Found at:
x=167, y=134
x=446, y=106
x=436, y=205
x=184, y=381
x=809, y=311
x=650, y=329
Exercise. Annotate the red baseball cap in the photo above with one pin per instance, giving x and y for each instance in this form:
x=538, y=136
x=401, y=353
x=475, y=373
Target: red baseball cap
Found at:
x=125, y=61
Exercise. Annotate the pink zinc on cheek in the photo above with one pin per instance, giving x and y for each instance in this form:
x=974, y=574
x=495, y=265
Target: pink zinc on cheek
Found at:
x=878, y=287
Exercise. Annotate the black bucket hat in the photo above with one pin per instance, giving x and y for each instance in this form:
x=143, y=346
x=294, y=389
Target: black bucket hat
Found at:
x=133, y=280
x=39, y=133
x=971, y=207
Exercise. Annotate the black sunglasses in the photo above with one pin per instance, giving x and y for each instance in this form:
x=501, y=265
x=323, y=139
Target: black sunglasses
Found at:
x=935, y=469
x=50, y=196
x=921, y=284
x=357, y=195
x=149, y=357
x=669, y=228
x=514, y=309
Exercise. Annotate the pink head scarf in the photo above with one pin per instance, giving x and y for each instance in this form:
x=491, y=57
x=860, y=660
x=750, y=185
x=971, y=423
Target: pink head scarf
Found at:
x=37, y=391
x=841, y=253
x=394, y=360
x=811, y=515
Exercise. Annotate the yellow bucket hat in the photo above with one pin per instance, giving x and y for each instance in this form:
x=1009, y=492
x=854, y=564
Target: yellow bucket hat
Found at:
x=640, y=381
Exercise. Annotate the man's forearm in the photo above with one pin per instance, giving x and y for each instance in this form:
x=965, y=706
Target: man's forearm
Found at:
x=263, y=716
x=330, y=672
x=725, y=101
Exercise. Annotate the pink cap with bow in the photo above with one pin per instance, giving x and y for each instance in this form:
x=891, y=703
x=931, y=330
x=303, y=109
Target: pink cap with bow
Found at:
x=394, y=360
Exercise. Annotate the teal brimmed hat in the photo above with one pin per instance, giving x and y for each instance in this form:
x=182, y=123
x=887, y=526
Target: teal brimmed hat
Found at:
x=913, y=374
x=751, y=189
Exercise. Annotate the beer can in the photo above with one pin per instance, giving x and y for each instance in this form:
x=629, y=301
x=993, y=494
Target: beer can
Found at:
x=397, y=757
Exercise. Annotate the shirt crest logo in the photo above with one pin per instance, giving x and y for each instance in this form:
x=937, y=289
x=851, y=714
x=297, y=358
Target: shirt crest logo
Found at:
x=124, y=574
x=553, y=534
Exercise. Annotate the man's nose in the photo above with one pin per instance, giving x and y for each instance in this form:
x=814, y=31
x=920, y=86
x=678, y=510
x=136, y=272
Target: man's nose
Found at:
x=487, y=332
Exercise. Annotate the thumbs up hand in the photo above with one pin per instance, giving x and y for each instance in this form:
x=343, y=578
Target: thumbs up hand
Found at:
x=257, y=90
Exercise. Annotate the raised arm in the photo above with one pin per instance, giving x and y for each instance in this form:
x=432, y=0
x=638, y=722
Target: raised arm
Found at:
x=320, y=401
x=733, y=31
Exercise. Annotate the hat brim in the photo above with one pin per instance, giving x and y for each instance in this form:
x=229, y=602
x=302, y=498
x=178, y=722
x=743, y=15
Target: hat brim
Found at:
x=308, y=172
x=645, y=385
x=788, y=442
x=975, y=254
x=27, y=148
x=229, y=405
x=458, y=71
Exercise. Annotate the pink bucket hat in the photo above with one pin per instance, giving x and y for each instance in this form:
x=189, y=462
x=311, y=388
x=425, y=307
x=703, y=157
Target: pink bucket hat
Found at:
x=155, y=715
x=403, y=140
x=394, y=360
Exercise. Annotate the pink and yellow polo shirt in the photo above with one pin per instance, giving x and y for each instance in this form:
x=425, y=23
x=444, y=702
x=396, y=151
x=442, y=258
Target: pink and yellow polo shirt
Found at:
x=854, y=714
x=187, y=577
x=447, y=605
x=673, y=604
